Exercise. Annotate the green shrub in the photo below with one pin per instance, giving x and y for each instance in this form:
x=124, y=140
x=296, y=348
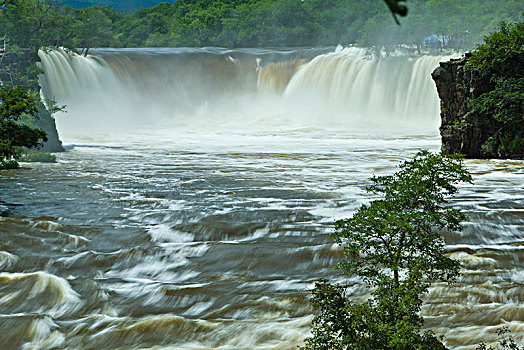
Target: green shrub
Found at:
x=40, y=157
x=16, y=103
x=8, y=164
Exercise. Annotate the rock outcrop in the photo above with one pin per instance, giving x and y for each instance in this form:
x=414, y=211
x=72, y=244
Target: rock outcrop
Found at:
x=17, y=69
x=47, y=123
x=462, y=131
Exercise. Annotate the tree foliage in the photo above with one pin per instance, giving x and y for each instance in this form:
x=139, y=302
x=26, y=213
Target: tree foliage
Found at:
x=506, y=343
x=393, y=245
x=33, y=23
x=16, y=104
x=498, y=64
x=254, y=23
x=398, y=232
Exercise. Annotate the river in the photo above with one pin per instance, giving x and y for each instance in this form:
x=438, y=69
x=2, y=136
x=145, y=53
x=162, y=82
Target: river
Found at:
x=193, y=207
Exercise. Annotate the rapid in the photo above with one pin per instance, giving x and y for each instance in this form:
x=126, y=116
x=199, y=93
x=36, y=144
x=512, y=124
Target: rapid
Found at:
x=193, y=207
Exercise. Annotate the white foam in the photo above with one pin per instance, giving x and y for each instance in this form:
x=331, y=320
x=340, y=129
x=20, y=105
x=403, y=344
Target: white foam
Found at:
x=44, y=293
x=7, y=259
x=165, y=234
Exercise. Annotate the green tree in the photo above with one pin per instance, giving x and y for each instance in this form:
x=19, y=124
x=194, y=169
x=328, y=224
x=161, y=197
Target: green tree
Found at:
x=34, y=23
x=498, y=64
x=249, y=23
x=93, y=27
x=16, y=104
x=393, y=245
x=506, y=343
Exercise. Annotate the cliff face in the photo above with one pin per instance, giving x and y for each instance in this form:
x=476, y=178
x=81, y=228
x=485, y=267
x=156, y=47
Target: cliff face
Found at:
x=47, y=123
x=16, y=68
x=461, y=131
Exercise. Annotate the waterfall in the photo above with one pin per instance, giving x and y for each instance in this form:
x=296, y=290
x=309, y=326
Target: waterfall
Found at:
x=383, y=90
x=119, y=88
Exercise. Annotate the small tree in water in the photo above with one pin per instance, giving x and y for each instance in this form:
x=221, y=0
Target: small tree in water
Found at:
x=16, y=103
x=506, y=343
x=393, y=244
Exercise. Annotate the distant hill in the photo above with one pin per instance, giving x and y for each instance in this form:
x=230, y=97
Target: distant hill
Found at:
x=119, y=5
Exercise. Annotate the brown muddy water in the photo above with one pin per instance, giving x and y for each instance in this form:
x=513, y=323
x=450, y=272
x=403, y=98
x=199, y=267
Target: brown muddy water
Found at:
x=201, y=223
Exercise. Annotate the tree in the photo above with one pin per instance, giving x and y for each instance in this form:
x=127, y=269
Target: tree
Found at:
x=249, y=23
x=506, y=343
x=94, y=28
x=499, y=65
x=34, y=23
x=16, y=103
x=393, y=245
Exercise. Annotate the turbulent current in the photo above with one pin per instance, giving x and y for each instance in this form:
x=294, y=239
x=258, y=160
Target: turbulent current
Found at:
x=193, y=207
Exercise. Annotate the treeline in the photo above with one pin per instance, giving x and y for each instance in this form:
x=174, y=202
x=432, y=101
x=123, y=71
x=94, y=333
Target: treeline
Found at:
x=126, y=6
x=255, y=23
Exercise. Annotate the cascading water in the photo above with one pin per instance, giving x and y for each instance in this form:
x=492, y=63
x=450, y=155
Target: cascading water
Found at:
x=194, y=206
x=297, y=88
x=382, y=91
x=124, y=88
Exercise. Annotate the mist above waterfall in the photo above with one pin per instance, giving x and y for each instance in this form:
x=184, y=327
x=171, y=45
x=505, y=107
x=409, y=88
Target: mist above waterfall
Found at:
x=261, y=90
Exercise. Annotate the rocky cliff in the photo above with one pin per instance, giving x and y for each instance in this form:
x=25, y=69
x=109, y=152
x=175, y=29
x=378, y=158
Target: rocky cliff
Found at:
x=47, y=123
x=18, y=68
x=461, y=131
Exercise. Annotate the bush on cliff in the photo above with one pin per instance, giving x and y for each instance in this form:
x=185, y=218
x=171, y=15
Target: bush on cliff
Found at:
x=15, y=104
x=498, y=63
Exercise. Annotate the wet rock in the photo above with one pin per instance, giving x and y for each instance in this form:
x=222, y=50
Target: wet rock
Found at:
x=461, y=131
x=47, y=123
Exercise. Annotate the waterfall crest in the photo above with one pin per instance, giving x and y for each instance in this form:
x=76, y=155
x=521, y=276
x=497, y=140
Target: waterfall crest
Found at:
x=345, y=87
